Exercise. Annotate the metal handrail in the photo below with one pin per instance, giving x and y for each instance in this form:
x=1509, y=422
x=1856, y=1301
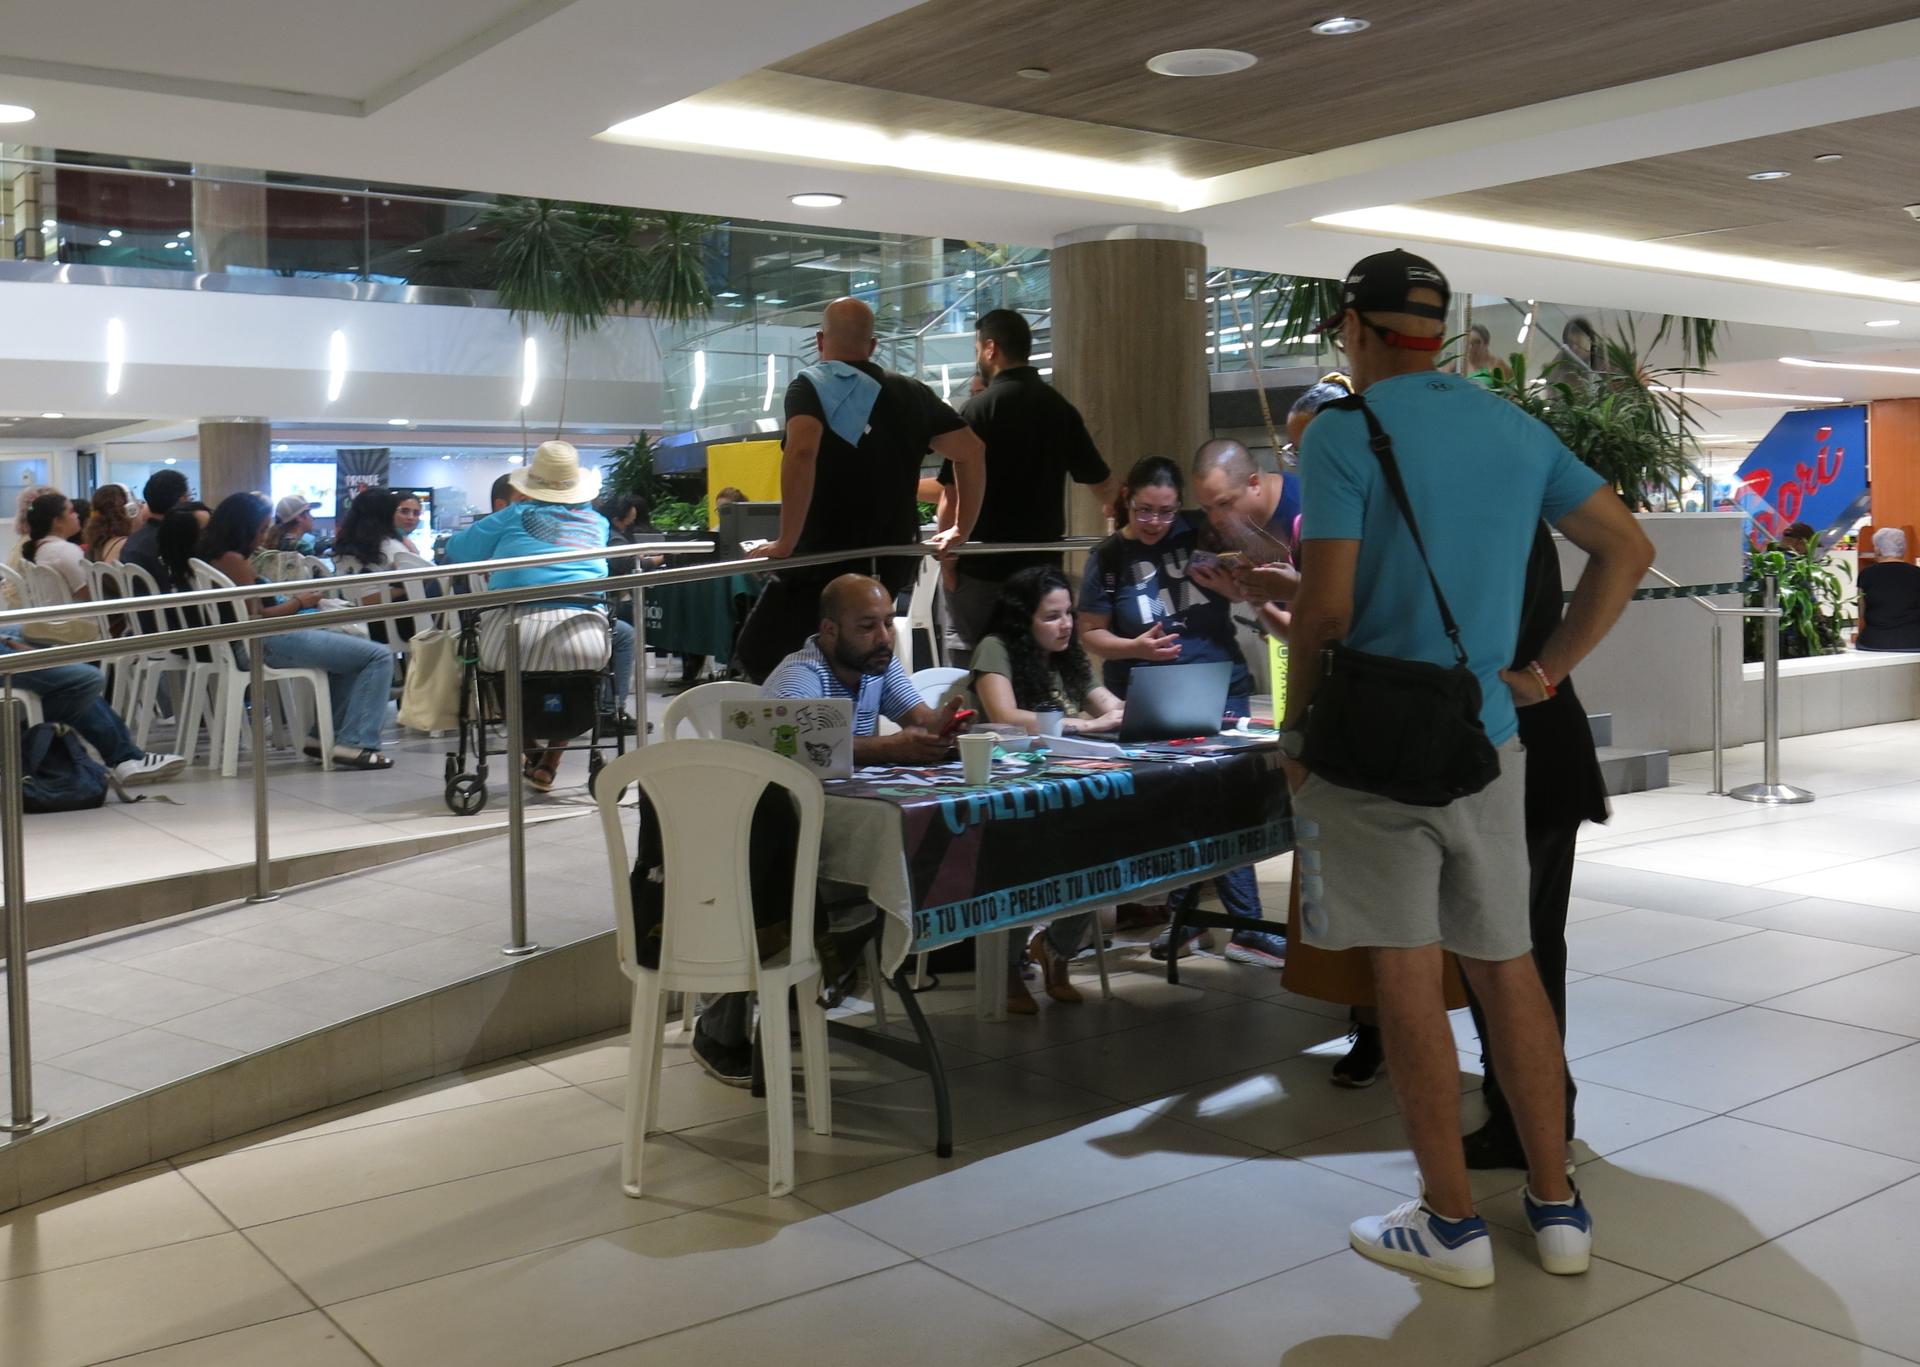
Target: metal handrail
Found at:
x=1770, y=790
x=370, y=579
x=23, y=1118
x=86, y=652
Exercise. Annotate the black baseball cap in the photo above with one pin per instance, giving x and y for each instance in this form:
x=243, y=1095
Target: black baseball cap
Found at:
x=1381, y=283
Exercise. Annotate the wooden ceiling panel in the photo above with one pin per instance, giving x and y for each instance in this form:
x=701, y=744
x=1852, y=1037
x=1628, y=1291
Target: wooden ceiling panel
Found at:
x=1420, y=64
x=1847, y=214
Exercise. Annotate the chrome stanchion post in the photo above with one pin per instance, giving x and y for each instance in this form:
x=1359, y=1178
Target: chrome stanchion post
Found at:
x=642, y=723
x=13, y=849
x=517, y=942
x=1719, y=788
x=1770, y=790
x=262, y=850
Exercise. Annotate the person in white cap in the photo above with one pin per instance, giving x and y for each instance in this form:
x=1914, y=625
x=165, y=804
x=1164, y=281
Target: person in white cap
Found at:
x=573, y=631
x=292, y=523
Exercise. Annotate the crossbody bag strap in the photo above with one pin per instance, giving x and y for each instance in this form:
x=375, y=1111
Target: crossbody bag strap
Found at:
x=1382, y=446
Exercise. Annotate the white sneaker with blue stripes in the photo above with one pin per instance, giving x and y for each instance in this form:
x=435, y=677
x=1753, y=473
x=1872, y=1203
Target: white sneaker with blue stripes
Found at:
x=1413, y=1238
x=1564, y=1232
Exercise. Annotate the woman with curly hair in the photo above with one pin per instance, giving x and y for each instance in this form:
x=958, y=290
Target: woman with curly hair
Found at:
x=109, y=524
x=1031, y=657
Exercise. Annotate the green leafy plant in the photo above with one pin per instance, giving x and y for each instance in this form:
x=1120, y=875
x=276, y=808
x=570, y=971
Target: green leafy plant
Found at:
x=1625, y=422
x=572, y=266
x=630, y=469
x=1815, y=601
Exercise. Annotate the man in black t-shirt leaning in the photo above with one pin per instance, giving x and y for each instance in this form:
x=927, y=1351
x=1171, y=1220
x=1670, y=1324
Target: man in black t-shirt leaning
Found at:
x=849, y=475
x=1036, y=440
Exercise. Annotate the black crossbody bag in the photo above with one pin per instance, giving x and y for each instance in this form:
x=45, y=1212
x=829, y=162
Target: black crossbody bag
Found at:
x=1402, y=729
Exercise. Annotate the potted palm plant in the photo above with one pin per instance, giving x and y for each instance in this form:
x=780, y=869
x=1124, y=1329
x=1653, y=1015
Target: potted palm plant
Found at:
x=572, y=266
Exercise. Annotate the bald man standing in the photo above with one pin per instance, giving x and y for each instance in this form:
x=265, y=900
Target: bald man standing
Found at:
x=849, y=477
x=1251, y=511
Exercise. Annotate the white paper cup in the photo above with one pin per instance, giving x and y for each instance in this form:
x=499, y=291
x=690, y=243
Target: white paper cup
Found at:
x=1049, y=721
x=976, y=758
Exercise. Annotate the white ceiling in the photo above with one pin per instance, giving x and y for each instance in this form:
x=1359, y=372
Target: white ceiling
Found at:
x=474, y=94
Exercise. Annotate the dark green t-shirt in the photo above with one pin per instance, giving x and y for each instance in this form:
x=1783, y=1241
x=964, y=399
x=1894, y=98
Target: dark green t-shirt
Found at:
x=991, y=656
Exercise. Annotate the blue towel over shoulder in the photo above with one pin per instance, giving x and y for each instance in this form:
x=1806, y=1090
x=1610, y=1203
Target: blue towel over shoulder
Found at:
x=847, y=394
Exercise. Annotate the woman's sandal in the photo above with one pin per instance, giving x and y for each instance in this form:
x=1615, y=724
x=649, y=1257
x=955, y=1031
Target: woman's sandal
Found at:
x=361, y=759
x=1053, y=969
x=538, y=777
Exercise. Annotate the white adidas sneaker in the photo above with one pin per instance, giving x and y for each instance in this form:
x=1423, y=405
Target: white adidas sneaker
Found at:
x=148, y=769
x=1563, y=1230
x=1413, y=1238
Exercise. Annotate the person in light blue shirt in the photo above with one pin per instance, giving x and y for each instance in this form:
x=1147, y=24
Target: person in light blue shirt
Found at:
x=851, y=657
x=573, y=632
x=1407, y=881
x=1479, y=473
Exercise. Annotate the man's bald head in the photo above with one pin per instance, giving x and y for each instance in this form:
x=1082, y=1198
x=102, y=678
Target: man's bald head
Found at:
x=856, y=625
x=1229, y=458
x=846, y=331
x=846, y=596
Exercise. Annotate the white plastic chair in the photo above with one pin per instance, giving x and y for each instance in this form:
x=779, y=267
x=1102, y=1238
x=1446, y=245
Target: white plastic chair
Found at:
x=218, y=691
x=932, y=684
x=15, y=588
x=45, y=587
x=695, y=714
x=703, y=794
x=137, y=692
x=920, y=615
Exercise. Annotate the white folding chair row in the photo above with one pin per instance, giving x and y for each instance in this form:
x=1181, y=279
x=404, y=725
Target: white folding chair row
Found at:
x=217, y=692
x=704, y=794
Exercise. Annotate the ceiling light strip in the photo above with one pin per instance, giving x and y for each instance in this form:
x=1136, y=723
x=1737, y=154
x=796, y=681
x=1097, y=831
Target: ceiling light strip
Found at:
x=1401, y=220
x=1691, y=392
x=1847, y=365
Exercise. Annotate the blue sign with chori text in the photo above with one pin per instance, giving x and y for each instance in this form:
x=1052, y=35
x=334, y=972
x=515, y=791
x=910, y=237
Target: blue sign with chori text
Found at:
x=1811, y=468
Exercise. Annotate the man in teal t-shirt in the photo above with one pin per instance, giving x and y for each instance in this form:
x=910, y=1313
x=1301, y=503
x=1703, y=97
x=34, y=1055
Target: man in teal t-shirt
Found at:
x=1407, y=881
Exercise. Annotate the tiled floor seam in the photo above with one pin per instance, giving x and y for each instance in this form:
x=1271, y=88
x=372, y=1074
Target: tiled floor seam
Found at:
x=1746, y=1305
x=1575, y=1328
x=1813, y=1220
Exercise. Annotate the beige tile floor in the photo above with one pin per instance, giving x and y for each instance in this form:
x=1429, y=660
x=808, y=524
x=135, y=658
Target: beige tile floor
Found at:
x=1161, y=1181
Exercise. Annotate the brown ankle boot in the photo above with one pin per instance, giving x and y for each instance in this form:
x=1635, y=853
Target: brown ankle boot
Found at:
x=1053, y=969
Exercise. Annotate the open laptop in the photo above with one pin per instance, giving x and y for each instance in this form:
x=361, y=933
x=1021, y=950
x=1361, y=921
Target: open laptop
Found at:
x=1175, y=702
x=816, y=732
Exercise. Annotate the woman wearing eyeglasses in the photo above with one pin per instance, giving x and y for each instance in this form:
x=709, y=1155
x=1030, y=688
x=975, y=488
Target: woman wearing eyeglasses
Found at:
x=1140, y=607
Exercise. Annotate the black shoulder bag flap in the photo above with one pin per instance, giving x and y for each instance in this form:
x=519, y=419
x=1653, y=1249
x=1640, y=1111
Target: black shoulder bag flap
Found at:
x=1403, y=729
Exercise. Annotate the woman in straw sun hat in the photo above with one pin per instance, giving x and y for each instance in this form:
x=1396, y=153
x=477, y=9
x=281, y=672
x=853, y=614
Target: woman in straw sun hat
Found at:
x=553, y=510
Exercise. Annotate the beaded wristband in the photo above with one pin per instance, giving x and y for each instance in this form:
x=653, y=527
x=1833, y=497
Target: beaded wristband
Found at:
x=1541, y=675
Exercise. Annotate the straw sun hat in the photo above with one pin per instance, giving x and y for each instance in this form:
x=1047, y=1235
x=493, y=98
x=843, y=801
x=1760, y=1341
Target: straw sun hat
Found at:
x=554, y=475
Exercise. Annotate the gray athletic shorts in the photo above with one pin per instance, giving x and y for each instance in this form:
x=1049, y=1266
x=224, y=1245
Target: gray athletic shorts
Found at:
x=1379, y=873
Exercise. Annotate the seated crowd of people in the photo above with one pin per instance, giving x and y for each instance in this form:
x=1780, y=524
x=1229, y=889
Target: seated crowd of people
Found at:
x=547, y=505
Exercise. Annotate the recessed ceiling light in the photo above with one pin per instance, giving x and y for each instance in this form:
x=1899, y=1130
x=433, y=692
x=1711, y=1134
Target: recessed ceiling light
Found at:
x=53, y=415
x=396, y=422
x=817, y=199
x=106, y=242
x=171, y=460
x=1201, y=61
x=1830, y=156
x=171, y=245
x=282, y=447
x=115, y=232
x=1769, y=175
x=14, y=113
x=516, y=460
x=1883, y=322
x=1033, y=73
x=1340, y=25
x=184, y=233
x=1847, y=365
